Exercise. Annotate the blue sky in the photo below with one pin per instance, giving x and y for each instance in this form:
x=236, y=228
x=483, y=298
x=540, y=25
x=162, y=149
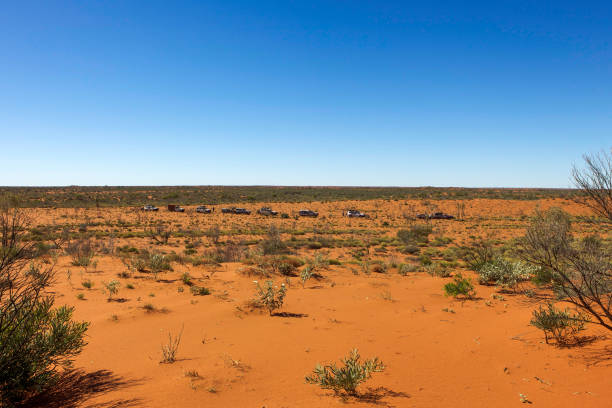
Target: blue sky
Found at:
x=507, y=94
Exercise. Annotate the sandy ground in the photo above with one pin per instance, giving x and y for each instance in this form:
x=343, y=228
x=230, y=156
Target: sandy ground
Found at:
x=438, y=352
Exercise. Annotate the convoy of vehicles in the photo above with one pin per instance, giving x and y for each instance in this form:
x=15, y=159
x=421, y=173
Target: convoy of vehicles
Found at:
x=267, y=211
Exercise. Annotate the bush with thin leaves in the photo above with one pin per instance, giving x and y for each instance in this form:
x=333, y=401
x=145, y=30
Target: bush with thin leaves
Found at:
x=269, y=297
x=112, y=288
x=347, y=377
x=36, y=339
x=562, y=325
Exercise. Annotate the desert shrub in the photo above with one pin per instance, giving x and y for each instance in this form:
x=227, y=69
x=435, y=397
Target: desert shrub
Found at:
x=479, y=253
x=378, y=267
x=82, y=253
x=305, y=275
x=158, y=263
x=436, y=269
x=425, y=260
x=505, y=273
x=199, y=291
x=112, y=288
x=562, y=325
x=411, y=249
x=580, y=268
x=170, y=349
x=87, y=284
x=346, y=377
x=273, y=244
x=269, y=297
x=404, y=269
x=186, y=278
x=36, y=339
x=542, y=276
x=460, y=286
x=416, y=234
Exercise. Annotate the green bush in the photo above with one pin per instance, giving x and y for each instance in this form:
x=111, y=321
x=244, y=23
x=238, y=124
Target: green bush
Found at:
x=269, y=297
x=347, y=377
x=562, y=325
x=459, y=287
x=36, y=339
x=505, y=273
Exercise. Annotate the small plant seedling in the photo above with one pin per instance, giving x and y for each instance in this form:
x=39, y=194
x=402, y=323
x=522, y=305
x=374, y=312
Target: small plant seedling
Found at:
x=87, y=284
x=347, y=377
x=81, y=296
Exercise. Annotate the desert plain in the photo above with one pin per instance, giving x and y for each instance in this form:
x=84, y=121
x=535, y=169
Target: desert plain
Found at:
x=438, y=351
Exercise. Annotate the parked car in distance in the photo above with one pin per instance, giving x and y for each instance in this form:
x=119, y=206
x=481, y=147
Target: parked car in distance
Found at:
x=266, y=211
x=175, y=208
x=435, y=216
x=355, y=213
x=308, y=213
x=203, y=209
x=234, y=210
x=150, y=207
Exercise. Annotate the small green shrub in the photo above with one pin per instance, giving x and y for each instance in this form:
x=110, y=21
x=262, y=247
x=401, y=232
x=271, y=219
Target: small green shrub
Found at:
x=459, y=287
x=347, y=377
x=416, y=234
x=112, y=288
x=87, y=284
x=269, y=297
x=199, y=291
x=186, y=278
x=562, y=325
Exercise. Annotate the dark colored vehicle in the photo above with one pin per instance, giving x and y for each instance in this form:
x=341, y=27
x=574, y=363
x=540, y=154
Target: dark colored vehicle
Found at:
x=203, y=209
x=150, y=208
x=435, y=216
x=308, y=213
x=355, y=213
x=235, y=210
x=266, y=211
x=175, y=208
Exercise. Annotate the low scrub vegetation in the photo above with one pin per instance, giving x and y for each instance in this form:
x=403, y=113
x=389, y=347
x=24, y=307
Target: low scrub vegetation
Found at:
x=561, y=325
x=269, y=297
x=347, y=377
x=460, y=286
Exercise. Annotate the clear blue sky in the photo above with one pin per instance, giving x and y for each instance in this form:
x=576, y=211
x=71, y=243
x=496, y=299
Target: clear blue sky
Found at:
x=491, y=93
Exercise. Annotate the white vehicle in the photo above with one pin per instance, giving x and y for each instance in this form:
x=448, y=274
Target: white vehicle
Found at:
x=203, y=209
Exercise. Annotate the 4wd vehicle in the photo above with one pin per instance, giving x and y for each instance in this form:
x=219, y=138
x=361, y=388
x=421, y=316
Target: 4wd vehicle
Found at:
x=150, y=207
x=235, y=210
x=355, y=213
x=308, y=213
x=203, y=209
x=435, y=216
x=175, y=208
x=266, y=211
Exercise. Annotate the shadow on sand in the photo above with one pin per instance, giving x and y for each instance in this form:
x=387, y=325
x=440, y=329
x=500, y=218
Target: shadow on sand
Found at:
x=76, y=387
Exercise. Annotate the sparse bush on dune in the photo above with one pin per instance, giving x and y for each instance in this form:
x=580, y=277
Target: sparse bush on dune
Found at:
x=460, y=286
x=269, y=297
x=36, y=339
x=561, y=325
x=581, y=268
x=504, y=273
x=417, y=234
x=346, y=377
